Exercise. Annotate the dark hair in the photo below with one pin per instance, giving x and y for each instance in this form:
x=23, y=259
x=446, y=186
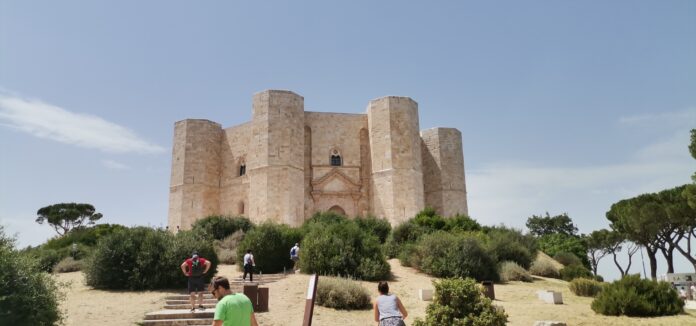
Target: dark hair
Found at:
x=220, y=281
x=383, y=287
x=248, y=251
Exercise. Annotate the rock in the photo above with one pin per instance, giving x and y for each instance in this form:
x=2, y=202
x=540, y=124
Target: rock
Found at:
x=550, y=296
x=548, y=323
x=425, y=294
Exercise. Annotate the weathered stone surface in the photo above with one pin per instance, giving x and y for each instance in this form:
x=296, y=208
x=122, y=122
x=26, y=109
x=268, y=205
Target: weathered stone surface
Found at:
x=388, y=167
x=425, y=294
x=550, y=296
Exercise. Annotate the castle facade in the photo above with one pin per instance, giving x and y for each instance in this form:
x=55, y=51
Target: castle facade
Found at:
x=287, y=163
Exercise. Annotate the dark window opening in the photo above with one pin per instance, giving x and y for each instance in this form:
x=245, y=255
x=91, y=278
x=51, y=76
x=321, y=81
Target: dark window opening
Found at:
x=335, y=160
x=242, y=170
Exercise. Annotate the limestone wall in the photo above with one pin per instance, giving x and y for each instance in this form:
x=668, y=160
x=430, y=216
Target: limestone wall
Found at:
x=443, y=171
x=234, y=188
x=395, y=145
x=275, y=165
x=196, y=169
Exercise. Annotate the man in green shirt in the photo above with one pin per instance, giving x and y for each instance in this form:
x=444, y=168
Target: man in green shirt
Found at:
x=232, y=309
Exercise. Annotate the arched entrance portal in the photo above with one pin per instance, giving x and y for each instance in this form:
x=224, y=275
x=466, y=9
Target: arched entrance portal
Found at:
x=338, y=210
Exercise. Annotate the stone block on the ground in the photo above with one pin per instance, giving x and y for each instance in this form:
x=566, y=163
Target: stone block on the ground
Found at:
x=550, y=296
x=549, y=323
x=425, y=294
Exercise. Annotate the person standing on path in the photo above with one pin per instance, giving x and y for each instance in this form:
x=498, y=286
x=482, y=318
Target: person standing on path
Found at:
x=389, y=311
x=295, y=256
x=232, y=309
x=195, y=269
x=249, y=264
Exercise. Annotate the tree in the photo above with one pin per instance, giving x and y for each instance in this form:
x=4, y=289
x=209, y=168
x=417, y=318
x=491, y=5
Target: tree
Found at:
x=64, y=217
x=598, y=243
x=616, y=242
x=544, y=225
x=633, y=218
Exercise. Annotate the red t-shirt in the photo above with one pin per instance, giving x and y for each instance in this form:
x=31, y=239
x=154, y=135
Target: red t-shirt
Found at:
x=189, y=263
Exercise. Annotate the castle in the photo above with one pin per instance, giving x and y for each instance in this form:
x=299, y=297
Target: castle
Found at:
x=287, y=163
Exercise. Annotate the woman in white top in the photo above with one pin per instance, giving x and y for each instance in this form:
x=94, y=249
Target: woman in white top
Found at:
x=389, y=311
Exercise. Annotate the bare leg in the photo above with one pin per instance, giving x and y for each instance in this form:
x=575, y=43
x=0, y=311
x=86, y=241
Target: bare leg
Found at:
x=192, y=300
x=200, y=298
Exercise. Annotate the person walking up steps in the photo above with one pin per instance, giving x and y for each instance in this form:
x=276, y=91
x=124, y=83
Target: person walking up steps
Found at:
x=389, y=311
x=295, y=256
x=249, y=264
x=195, y=268
x=232, y=309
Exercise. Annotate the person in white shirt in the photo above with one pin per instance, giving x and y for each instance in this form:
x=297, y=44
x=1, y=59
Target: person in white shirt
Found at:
x=249, y=266
x=295, y=256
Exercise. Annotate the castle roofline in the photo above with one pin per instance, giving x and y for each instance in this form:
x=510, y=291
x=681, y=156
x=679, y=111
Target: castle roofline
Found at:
x=278, y=91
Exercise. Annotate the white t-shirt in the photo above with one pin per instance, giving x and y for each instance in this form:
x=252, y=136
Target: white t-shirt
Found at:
x=296, y=251
x=248, y=259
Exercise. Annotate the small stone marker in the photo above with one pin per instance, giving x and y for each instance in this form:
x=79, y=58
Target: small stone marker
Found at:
x=425, y=294
x=488, y=289
x=309, y=303
x=550, y=296
x=549, y=323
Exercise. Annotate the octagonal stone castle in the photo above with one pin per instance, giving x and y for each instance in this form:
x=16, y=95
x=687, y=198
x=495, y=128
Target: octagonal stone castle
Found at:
x=287, y=163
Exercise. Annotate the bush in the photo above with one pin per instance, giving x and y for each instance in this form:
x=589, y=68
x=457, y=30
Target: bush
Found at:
x=342, y=248
x=545, y=268
x=341, y=293
x=459, y=302
x=552, y=244
x=429, y=219
x=506, y=245
x=84, y=235
x=443, y=254
x=635, y=297
x=403, y=234
x=28, y=296
x=572, y=272
x=585, y=287
x=142, y=258
x=270, y=243
x=461, y=223
x=226, y=249
x=67, y=265
x=378, y=227
x=510, y=271
x=46, y=258
x=219, y=227
x=567, y=259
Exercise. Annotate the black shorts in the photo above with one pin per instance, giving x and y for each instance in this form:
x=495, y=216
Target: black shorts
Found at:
x=196, y=284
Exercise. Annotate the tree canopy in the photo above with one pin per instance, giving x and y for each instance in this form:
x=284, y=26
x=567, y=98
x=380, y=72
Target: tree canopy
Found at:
x=64, y=217
x=545, y=225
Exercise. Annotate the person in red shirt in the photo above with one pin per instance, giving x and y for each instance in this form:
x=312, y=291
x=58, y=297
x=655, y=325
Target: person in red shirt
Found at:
x=195, y=268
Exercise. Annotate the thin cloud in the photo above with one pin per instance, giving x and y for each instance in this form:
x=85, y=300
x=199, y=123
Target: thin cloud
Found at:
x=680, y=117
x=113, y=165
x=47, y=121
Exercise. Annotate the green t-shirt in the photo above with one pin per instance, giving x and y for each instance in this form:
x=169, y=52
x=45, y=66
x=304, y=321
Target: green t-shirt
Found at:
x=234, y=310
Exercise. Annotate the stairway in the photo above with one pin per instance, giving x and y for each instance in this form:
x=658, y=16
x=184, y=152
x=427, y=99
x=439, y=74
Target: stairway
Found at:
x=177, y=307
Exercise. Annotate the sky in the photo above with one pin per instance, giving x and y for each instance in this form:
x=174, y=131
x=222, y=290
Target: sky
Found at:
x=564, y=107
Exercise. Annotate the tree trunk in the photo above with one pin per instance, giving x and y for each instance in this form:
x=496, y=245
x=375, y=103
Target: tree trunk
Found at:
x=669, y=257
x=653, y=262
x=616, y=262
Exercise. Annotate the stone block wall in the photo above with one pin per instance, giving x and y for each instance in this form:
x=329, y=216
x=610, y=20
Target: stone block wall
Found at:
x=443, y=171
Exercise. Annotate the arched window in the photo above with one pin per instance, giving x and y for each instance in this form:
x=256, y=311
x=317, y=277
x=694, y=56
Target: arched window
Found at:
x=336, y=158
x=240, y=208
x=242, y=169
x=338, y=210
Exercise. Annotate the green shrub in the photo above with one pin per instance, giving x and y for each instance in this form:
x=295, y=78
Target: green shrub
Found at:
x=459, y=302
x=409, y=255
x=635, y=297
x=461, y=223
x=572, y=272
x=503, y=247
x=47, y=258
x=379, y=227
x=341, y=293
x=444, y=254
x=511, y=271
x=270, y=244
x=142, y=258
x=567, y=258
x=67, y=265
x=323, y=218
x=28, y=296
x=585, y=287
x=219, y=227
x=403, y=234
x=551, y=244
x=429, y=219
x=545, y=268
x=342, y=248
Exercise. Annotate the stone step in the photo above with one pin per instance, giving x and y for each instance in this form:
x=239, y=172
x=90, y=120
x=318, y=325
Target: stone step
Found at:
x=188, y=306
x=186, y=297
x=179, y=314
x=177, y=322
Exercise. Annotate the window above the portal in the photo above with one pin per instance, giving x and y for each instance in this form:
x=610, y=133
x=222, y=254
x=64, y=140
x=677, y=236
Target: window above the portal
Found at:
x=336, y=158
x=242, y=169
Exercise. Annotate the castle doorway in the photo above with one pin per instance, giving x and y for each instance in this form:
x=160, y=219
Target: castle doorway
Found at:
x=338, y=210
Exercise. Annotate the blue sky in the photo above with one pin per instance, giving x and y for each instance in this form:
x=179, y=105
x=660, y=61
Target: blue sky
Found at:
x=563, y=106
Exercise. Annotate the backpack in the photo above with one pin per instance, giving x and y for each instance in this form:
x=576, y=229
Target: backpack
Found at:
x=197, y=268
x=293, y=252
